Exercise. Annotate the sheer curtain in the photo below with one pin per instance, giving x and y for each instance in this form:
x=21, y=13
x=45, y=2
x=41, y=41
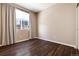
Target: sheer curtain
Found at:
x=7, y=24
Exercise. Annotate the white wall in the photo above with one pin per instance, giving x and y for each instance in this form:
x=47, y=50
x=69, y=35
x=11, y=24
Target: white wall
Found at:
x=58, y=24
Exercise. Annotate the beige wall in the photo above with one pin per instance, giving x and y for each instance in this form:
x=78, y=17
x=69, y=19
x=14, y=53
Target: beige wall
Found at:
x=0, y=22
x=33, y=18
x=58, y=24
x=78, y=27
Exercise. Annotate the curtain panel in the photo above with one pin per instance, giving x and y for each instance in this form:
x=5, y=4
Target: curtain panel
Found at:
x=7, y=24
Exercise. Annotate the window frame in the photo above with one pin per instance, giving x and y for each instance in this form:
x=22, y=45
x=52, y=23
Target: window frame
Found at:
x=21, y=28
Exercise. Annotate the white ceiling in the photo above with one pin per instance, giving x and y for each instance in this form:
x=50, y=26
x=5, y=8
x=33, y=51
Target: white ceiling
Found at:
x=36, y=7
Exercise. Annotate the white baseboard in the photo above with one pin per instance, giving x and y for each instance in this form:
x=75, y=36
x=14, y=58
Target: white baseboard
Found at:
x=58, y=42
x=50, y=41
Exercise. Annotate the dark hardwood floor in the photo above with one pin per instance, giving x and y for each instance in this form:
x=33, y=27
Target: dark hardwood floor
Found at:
x=37, y=47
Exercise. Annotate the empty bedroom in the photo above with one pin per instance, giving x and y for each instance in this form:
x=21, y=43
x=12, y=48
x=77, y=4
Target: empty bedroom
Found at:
x=39, y=29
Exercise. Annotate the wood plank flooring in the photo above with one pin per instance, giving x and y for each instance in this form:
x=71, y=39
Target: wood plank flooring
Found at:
x=37, y=47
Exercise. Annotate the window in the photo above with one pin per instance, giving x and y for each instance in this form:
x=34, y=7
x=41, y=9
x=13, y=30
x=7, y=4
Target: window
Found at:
x=22, y=19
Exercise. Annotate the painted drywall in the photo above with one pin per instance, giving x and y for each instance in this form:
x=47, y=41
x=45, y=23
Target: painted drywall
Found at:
x=78, y=27
x=58, y=24
x=0, y=22
x=34, y=24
